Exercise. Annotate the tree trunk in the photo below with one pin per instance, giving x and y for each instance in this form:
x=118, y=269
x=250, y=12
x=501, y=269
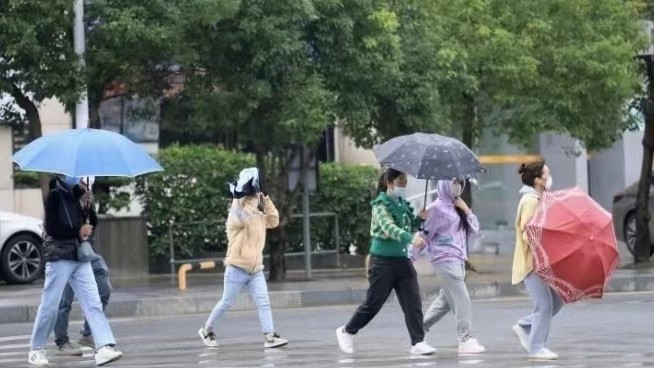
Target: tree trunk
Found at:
x=277, y=255
x=643, y=246
x=94, y=116
x=34, y=128
x=277, y=240
x=276, y=173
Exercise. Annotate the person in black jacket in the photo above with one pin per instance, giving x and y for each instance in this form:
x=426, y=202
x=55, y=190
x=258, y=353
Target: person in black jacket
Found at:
x=101, y=272
x=67, y=223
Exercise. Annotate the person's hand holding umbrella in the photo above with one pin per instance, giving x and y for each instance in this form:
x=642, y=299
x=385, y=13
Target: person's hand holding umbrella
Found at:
x=86, y=231
x=418, y=242
x=462, y=205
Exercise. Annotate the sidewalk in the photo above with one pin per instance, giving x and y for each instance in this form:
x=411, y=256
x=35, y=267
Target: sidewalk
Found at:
x=159, y=296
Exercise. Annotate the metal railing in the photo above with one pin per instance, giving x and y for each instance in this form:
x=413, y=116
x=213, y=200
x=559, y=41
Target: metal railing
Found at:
x=173, y=261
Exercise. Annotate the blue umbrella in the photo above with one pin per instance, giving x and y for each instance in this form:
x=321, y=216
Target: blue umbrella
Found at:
x=86, y=152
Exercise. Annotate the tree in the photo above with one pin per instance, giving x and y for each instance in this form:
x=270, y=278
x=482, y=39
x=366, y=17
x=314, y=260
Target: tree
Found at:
x=520, y=70
x=524, y=68
x=264, y=78
x=516, y=69
x=37, y=60
x=643, y=246
x=255, y=76
x=386, y=85
x=117, y=28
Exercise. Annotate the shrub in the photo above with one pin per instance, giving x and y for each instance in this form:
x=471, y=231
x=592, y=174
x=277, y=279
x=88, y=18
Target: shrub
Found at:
x=192, y=193
x=347, y=191
x=193, y=188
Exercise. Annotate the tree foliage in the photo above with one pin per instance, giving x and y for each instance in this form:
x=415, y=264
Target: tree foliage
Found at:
x=525, y=68
x=269, y=77
x=36, y=58
x=275, y=75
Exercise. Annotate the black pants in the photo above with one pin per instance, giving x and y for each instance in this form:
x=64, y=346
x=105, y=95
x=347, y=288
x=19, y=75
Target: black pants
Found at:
x=386, y=274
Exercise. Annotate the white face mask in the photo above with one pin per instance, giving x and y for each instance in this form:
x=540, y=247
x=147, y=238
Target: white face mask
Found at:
x=400, y=192
x=457, y=190
x=548, y=183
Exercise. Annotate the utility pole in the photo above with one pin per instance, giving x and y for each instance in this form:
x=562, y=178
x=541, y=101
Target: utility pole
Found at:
x=79, y=44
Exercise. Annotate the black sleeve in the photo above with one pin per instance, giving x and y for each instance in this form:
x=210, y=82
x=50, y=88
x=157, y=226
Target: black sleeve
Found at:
x=54, y=225
x=93, y=217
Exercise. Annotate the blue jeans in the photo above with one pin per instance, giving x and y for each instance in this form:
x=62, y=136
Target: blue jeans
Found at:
x=101, y=273
x=235, y=279
x=546, y=305
x=79, y=275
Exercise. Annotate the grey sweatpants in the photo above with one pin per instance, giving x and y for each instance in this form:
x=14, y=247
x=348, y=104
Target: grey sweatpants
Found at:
x=452, y=297
x=546, y=305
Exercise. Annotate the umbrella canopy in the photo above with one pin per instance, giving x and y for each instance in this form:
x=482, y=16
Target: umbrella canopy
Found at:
x=429, y=156
x=573, y=243
x=86, y=152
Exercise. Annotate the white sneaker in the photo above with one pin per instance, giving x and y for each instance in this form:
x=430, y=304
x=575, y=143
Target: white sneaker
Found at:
x=106, y=355
x=345, y=340
x=208, y=338
x=422, y=348
x=274, y=341
x=471, y=346
x=37, y=358
x=544, y=354
x=522, y=337
x=69, y=348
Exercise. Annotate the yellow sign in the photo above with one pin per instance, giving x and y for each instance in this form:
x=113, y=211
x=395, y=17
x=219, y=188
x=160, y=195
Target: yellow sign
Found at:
x=508, y=159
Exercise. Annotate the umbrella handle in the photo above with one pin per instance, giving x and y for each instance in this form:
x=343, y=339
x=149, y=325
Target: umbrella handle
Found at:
x=426, y=190
x=88, y=202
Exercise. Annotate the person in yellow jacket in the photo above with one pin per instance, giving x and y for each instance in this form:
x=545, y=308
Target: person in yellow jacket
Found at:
x=246, y=237
x=532, y=331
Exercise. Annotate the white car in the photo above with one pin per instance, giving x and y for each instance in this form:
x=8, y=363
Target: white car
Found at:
x=21, y=248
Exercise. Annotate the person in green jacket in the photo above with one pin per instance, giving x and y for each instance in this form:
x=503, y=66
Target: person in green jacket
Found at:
x=390, y=267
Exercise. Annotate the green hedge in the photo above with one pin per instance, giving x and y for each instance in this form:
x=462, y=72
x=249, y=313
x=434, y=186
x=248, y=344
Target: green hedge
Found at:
x=192, y=192
x=193, y=188
x=345, y=190
x=26, y=179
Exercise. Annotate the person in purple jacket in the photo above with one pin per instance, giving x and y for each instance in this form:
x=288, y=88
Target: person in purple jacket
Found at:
x=445, y=232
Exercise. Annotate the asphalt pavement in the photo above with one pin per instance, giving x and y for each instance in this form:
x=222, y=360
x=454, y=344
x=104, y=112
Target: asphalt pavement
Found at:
x=615, y=332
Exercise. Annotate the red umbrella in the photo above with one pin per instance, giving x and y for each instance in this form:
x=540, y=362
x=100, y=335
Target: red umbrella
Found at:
x=573, y=243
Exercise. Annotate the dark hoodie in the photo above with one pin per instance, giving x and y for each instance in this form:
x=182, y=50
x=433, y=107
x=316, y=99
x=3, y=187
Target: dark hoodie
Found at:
x=64, y=217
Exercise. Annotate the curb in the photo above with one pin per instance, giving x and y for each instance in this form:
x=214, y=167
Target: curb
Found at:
x=180, y=304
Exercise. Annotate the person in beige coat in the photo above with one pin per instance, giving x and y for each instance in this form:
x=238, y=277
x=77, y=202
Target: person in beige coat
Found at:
x=246, y=236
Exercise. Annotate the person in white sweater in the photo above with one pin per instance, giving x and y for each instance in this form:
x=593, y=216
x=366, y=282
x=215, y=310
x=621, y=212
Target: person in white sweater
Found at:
x=246, y=236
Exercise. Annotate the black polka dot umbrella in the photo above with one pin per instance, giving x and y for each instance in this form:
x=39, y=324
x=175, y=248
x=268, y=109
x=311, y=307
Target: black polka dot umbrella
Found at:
x=429, y=156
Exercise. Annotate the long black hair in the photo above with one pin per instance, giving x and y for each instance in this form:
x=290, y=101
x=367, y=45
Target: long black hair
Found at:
x=462, y=215
x=386, y=176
